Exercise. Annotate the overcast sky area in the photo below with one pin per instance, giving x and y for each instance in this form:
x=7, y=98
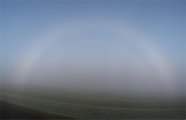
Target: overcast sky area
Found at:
x=118, y=47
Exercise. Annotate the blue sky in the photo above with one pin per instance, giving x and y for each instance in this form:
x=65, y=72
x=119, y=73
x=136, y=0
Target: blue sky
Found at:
x=26, y=19
x=47, y=34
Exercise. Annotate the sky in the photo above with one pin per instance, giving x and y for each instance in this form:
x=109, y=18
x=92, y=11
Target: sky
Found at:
x=121, y=47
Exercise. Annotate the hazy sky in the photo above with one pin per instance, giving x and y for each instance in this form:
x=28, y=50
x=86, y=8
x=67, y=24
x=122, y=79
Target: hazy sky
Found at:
x=120, y=46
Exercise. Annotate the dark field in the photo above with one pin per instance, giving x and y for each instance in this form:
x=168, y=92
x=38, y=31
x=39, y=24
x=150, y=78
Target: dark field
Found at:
x=85, y=107
x=11, y=111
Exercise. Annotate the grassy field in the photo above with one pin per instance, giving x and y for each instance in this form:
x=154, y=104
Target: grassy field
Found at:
x=12, y=111
x=90, y=107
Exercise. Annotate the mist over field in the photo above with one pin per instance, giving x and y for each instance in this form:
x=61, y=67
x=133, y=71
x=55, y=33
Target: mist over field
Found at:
x=123, y=54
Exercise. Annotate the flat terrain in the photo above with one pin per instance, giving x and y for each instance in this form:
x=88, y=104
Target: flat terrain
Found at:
x=11, y=111
x=86, y=107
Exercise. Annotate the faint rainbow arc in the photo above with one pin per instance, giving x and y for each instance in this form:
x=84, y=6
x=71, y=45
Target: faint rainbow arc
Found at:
x=156, y=57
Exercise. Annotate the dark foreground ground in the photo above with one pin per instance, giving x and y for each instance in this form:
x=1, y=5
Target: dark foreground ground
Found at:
x=11, y=111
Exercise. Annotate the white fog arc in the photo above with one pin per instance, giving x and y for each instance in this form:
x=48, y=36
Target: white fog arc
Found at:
x=123, y=30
